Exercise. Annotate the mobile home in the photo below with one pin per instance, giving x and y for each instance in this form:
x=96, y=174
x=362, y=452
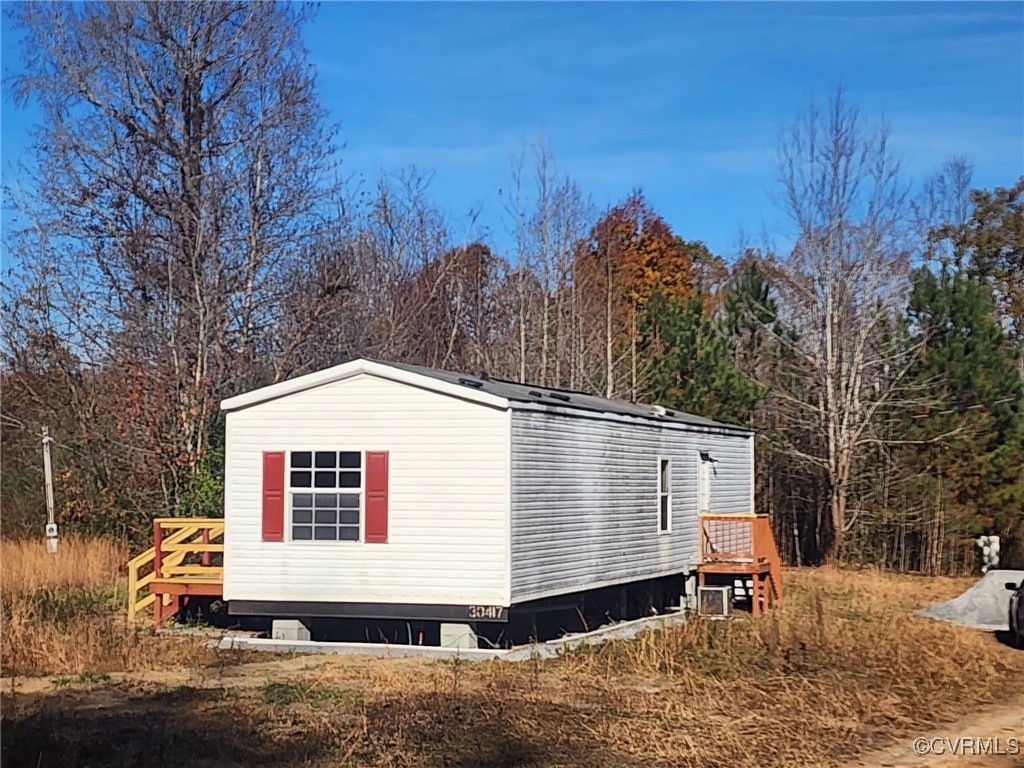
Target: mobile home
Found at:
x=376, y=492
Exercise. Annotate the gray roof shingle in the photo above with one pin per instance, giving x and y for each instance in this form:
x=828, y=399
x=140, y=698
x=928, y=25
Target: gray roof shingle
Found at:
x=529, y=393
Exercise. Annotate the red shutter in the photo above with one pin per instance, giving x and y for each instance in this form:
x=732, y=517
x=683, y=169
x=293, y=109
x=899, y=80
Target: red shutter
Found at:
x=273, y=495
x=376, y=497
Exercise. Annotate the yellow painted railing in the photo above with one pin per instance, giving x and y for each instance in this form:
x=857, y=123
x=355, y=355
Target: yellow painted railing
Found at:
x=182, y=551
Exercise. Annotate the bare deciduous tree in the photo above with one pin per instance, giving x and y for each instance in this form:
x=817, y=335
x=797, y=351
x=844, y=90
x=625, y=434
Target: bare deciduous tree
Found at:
x=548, y=220
x=842, y=287
x=180, y=167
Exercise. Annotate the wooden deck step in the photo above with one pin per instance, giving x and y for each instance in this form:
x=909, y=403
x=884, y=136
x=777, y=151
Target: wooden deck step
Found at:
x=183, y=562
x=742, y=545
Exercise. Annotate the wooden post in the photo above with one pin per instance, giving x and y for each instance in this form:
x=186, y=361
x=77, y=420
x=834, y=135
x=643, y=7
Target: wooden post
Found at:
x=158, y=561
x=158, y=555
x=206, y=553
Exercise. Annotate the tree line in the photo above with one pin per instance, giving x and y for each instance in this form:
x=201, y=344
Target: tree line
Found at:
x=184, y=232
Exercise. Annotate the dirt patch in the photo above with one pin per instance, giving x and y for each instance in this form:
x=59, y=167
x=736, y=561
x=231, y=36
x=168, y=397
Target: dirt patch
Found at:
x=990, y=738
x=233, y=671
x=139, y=726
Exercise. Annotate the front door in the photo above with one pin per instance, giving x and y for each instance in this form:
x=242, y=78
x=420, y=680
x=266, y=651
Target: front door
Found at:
x=704, y=486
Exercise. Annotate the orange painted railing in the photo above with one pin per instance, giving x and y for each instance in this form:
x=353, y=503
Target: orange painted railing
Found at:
x=741, y=538
x=766, y=549
x=183, y=552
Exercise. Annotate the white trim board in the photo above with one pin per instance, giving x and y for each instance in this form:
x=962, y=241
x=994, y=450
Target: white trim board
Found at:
x=355, y=368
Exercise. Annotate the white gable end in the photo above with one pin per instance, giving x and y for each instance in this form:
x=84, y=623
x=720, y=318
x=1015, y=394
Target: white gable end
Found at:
x=448, y=502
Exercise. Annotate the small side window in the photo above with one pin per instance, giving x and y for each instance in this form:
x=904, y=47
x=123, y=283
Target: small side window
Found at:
x=664, y=496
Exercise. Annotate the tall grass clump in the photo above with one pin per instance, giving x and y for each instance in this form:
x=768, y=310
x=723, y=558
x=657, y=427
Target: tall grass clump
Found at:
x=27, y=568
x=66, y=612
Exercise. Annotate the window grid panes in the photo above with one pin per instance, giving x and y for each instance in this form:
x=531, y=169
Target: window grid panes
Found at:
x=326, y=495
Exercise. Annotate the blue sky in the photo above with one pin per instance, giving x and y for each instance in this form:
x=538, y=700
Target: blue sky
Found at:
x=683, y=100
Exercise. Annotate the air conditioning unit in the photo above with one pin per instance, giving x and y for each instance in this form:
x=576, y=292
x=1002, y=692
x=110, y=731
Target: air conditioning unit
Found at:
x=714, y=601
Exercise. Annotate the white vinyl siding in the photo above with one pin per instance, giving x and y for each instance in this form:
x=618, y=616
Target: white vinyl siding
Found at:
x=585, y=498
x=448, y=497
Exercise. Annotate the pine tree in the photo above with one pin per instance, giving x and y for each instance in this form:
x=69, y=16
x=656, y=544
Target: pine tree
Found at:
x=692, y=358
x=973, y=430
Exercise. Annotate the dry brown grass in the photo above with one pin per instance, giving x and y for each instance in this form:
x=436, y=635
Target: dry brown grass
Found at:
x=843, y=664
x=841, y=668
x=65, y=613
x=27, y=568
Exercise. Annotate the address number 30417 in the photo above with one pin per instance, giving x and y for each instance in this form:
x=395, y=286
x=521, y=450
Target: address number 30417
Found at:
x=486, y=612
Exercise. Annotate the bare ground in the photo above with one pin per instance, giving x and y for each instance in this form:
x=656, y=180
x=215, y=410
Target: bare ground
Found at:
x=1002, y=724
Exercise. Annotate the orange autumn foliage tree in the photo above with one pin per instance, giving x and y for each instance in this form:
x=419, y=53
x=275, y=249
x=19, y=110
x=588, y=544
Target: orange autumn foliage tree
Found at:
x=631, y=253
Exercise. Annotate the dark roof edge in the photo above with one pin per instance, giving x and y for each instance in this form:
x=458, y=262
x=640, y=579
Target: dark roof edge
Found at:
x=565, y=409
x=566, y=400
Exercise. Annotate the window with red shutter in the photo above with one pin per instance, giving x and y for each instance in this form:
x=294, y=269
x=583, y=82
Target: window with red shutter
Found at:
x=333, y=495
